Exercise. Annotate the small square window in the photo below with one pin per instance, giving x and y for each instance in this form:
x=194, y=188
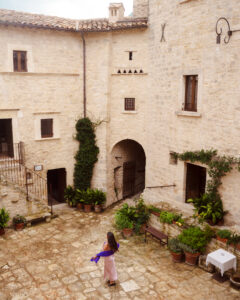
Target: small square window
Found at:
x=191, y=91
x=20, y=61
x=46, y=128
x=129, y=104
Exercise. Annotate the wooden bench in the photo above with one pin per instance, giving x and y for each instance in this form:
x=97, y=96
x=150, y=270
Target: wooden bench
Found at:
x=162, y=237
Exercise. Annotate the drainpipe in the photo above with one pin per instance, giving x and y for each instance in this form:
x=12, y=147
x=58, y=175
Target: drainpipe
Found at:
x=84, y=77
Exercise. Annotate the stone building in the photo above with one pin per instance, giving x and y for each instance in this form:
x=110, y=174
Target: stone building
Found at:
x=155, y=83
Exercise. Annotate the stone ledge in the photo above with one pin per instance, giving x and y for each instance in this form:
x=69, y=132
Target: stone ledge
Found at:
x=47, y=139
x=130, y=112
x=188, y=114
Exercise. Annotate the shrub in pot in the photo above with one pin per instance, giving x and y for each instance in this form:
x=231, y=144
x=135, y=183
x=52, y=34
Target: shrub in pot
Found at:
x=223, y=235
x=19, y=222
x=234, y=241
x=123, y=223
x=79, y=198
x=4, y=218
x=141, y=216
x=193, y=242
x=69, y=195
x=154, y=210
x=99, y=200
x=175, y=249
x=88, y=197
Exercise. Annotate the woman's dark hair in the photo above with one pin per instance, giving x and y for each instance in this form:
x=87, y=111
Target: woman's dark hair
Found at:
x=112, y=242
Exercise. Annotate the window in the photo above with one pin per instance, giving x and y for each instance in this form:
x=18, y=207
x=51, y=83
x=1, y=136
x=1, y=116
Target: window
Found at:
x=129, y=104
x=46, y=128
x=130, y=55
x=191, y=90
x=20, y=61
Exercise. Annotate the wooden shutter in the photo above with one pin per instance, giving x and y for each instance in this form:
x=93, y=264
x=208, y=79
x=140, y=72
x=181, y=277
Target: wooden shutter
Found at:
x=19, y=61
x=46, y=128
x=191, y=88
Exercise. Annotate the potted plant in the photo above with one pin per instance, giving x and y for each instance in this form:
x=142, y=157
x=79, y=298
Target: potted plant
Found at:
x=154, y=210
x=234, y=241
x=99, y=200
x=4, y=218
x=19, y=222
x=175, y=250
x=69, y=194
x=167, y=217
x=79, y=198
x=223, y=235
x=141, y=216
x=207, y=209
x=88, y=200
x=124, y=223
x=193, y=242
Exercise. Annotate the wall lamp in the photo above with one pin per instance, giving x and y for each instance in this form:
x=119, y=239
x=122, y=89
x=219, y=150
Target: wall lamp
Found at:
x=219, y=31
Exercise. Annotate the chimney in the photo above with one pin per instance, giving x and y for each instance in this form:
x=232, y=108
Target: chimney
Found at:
x=140, y=8
x=116, y=12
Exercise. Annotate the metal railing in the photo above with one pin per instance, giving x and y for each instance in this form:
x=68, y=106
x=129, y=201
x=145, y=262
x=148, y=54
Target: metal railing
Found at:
x=12, y=169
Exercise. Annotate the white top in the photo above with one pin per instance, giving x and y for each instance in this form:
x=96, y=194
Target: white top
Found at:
x=222, y=259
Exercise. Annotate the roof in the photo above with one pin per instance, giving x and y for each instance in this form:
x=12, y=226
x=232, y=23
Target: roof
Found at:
x=22, y=19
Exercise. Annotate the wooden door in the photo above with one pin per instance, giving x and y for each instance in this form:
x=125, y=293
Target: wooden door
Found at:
x=195, y=181
x=129, y=171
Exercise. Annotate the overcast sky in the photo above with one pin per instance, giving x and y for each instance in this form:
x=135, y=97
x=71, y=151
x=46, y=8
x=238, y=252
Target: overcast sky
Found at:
x=76, y=9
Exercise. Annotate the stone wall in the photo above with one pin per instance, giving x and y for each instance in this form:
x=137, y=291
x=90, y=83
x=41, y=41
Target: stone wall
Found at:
x=140, y=8
x=190, y=48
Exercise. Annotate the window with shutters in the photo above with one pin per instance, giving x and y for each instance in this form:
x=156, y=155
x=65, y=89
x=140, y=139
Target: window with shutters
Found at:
x=191, y=91
x=46, y=128
x=129, y=104
x=19, y=61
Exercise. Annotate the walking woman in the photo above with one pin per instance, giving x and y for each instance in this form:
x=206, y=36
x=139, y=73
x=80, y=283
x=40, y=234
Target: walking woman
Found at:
x=109, y=248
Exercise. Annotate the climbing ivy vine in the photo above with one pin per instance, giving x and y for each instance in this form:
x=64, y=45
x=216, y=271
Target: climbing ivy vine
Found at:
x=209, y=206
x=87, y=154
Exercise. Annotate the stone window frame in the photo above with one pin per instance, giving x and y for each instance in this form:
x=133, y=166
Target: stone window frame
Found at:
x=19, y=47
x=38, y=116
x=181, y=94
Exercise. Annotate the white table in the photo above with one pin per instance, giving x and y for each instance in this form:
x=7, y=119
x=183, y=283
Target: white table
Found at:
x=222, y=260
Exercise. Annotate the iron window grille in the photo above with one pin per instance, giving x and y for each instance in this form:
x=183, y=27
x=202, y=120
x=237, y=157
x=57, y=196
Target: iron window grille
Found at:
x=129, y=104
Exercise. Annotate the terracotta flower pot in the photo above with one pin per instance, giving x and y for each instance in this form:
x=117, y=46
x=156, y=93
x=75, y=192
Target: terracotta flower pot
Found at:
x=155, y=213
x=235, y=280
x=221, y=239
x=191, y=258
x=127, y=232
x=97, y=208
x=80, y=206
x=177, y=257
x=87, y=207
x=2, y=231
x=19, y=226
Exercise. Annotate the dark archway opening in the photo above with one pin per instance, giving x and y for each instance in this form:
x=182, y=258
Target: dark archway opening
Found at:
x=56, y=182
x=129, y=163
x=195, y=181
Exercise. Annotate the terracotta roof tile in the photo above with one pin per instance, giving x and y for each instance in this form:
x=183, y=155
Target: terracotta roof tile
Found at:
x=11, y=17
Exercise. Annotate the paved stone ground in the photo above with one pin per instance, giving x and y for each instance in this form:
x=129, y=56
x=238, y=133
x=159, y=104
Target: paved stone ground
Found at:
x=51, y=261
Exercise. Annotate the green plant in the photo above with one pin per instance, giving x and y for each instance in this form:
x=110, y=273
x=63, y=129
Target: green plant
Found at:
x=18, y=219
x=141, y=215
x=167, y=217
x=224, y=233
x=122, y=221
x=193, y=240
x=234, y=239
x=69, y=193
x=99, y=197
x=88, y=196
x=206, y=209
x=4, y=218
x=174, y=245
x=79, y=196
x=87, y=154
x=154, y=209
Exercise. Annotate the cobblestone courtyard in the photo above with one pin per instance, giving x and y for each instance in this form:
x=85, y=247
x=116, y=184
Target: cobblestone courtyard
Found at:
x=51, y=261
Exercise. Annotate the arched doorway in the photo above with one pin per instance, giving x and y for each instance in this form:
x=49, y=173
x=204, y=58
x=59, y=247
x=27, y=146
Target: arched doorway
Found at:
x=128, y=160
